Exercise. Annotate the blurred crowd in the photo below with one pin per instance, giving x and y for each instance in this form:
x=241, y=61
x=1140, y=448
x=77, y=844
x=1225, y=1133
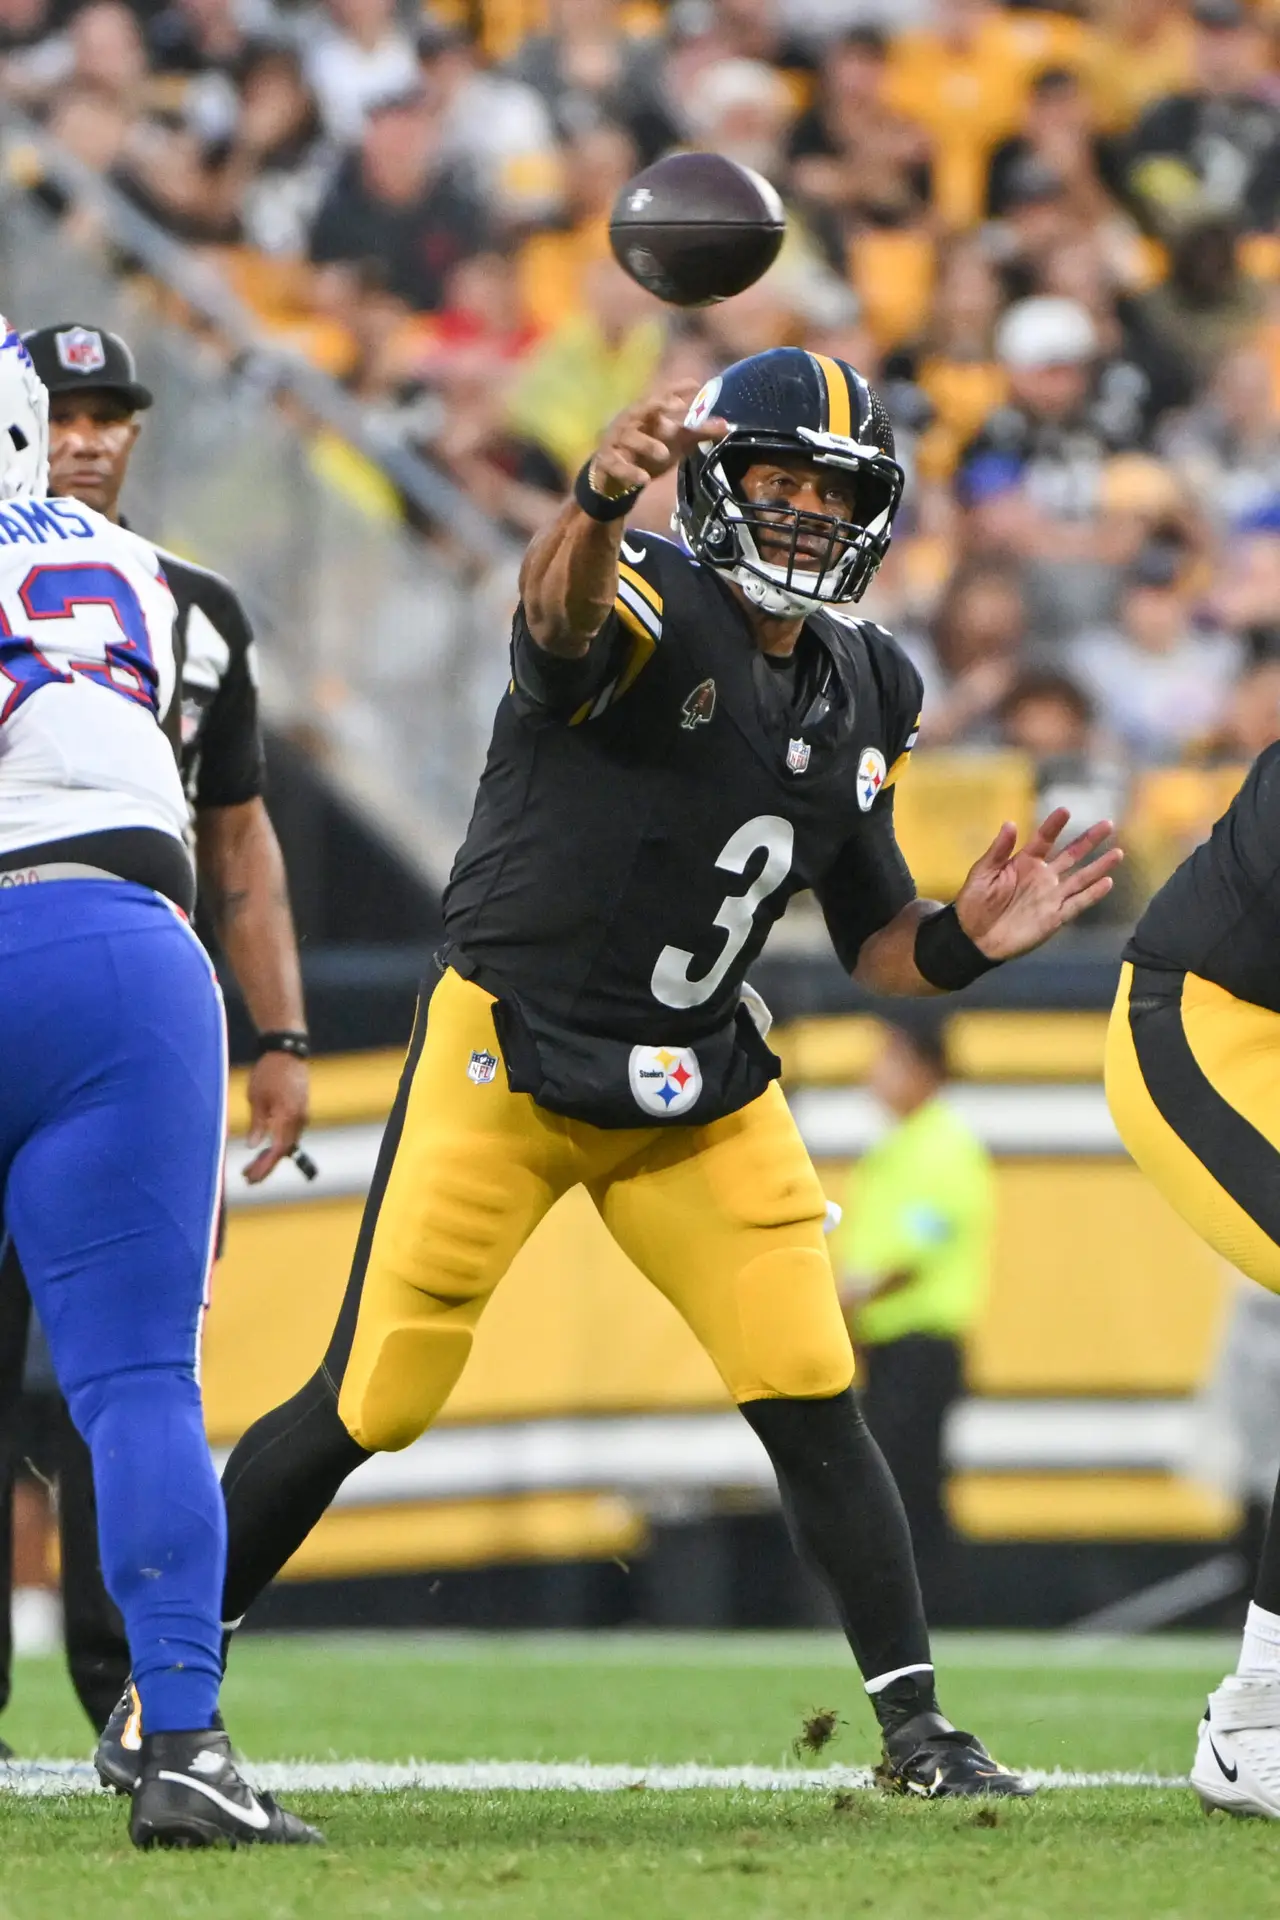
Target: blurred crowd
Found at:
x=1052, y=234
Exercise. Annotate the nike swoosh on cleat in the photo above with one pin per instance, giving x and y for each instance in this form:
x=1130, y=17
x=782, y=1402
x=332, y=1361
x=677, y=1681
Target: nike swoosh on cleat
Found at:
x=1229, y=1773
x=254, y=1817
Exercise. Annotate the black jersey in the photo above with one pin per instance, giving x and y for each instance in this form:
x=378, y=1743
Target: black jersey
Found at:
x=222, y=756
x=647, y=812
x=1219, y=915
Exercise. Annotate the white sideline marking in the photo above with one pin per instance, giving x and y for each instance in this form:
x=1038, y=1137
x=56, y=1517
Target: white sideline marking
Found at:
x=37, y=1778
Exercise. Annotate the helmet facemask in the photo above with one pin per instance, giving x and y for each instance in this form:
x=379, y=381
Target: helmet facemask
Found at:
x=785, y=560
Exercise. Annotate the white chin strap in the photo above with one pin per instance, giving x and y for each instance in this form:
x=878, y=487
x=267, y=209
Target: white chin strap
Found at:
x=779, y=600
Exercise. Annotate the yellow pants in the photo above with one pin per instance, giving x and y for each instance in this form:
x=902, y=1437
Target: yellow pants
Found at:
x=1193, y=1082
x=726, y=1220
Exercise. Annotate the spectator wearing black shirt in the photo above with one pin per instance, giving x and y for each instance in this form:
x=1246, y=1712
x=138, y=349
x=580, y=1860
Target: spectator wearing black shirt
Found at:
x=394, y=201
x=1032, y=480
x=1216, y=146
x=852, y=160
x=592, y=74
x=1057, y=132
x=194, y=36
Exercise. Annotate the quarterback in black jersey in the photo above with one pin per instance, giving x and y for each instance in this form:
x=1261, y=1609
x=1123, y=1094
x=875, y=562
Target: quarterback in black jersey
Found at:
x=1193, y=1079
x=692, y=733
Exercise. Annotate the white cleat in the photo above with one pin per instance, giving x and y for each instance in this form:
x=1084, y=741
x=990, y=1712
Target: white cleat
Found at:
x=1237, y=1764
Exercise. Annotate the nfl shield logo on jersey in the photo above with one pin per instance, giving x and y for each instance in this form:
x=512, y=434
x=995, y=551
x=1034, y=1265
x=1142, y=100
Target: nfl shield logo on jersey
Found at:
x=797, y=755
x=80, y=350
x=871, y=777
x=665, y=1080
x=482, y=1067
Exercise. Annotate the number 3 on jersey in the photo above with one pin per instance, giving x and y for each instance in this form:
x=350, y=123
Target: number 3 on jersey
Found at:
x=769, y=834
x=126, y=666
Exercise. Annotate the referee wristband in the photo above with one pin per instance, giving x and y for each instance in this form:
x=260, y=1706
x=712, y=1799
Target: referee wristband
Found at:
x=945, y=955
x=602, y=506
x=284, y=1040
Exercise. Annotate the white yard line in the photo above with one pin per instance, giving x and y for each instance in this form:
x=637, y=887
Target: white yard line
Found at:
x=803, y=1649
x=54, y=1777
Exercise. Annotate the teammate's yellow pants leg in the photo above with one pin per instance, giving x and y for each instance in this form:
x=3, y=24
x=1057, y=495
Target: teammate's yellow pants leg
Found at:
x=1193, y=1082
x=726, y=1220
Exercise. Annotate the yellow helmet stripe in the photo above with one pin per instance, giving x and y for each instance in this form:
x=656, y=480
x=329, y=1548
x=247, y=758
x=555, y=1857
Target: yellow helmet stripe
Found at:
x=839, y=413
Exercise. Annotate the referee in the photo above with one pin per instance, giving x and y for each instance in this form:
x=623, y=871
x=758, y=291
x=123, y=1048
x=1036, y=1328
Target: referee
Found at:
x=913, y=1259
x=95, y=398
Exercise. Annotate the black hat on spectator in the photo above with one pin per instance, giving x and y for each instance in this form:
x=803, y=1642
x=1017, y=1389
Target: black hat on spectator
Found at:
x=71, y=358
x=1160, y=564
x=1222, y=15
x=436, y=37
x=1031, y=182
x=871, y=40
x=926, y=1032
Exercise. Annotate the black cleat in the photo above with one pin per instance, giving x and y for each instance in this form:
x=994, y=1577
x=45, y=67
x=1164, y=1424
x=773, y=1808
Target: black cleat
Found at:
x=117, y=1759
x=190, y=1794
x=929, y=1759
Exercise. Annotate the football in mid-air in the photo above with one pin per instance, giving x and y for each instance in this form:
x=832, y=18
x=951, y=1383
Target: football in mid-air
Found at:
x=695, y=228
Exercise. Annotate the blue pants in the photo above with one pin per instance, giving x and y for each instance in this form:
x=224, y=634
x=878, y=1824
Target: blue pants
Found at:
x=112, y=1101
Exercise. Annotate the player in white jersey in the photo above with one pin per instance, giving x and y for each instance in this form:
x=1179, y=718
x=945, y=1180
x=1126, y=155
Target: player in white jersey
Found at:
x=113, y=1092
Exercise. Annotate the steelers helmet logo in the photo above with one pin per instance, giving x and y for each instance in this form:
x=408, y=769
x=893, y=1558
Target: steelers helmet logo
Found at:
x=665, y=1080
x=703, y=403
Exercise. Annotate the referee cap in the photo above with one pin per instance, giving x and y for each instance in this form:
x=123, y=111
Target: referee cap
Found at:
x=70, y=358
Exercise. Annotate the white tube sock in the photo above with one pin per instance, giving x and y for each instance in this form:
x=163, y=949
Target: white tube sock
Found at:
x=1260, y=1648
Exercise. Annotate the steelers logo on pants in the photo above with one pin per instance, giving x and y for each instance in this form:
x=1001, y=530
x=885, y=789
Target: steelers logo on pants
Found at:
x=665, y=1080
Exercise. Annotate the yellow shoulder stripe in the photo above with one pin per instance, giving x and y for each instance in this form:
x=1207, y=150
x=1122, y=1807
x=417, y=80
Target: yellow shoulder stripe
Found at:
x=641, y=585
x=895, y=770
x=632, y=621
x=642, y=647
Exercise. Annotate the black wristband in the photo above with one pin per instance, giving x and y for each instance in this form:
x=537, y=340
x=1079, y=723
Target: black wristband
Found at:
x=599, y=506
x=945, y=954
x=284, y=1040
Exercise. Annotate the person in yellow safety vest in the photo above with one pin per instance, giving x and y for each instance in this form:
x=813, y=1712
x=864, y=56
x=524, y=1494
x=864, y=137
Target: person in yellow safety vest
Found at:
x=913, y=1259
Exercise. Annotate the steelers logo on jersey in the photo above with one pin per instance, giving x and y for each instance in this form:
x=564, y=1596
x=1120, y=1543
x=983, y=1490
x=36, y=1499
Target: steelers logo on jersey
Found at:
x=872, y=772
x=665, y=1080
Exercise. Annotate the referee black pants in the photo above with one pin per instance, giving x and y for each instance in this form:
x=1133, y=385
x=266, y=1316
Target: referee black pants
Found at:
x=908, y=1387
x=38, y=1427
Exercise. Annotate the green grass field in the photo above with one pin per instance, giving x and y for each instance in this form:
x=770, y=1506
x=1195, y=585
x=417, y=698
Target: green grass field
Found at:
x=1099, y=1853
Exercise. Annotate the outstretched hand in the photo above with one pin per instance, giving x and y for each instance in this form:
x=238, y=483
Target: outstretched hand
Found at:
x=1015, y=898
x=648, y=440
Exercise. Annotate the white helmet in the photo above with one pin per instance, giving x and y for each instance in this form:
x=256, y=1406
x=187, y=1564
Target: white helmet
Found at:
x=24, y=420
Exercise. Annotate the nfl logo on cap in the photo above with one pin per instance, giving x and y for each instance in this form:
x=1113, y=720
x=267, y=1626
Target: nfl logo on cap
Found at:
x=797, y=755
x=80, y=350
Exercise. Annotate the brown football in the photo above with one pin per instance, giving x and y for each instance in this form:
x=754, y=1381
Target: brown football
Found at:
x=695, y=228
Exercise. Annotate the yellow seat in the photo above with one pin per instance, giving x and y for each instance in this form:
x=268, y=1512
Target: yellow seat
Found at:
x=949, y=806
x=1172, y=810
x=893, y=272
x=549, y=271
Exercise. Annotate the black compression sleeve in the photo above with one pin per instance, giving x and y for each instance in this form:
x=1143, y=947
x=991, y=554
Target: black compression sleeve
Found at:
x=548, y=684
x=847, y=1520
x=280, y=1478
x=867, y=885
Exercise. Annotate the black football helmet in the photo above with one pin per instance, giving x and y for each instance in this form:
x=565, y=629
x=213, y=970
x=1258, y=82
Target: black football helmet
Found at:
x=806, y=406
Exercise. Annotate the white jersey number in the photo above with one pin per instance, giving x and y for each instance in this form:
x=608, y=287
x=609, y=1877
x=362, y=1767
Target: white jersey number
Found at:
x=767, y=833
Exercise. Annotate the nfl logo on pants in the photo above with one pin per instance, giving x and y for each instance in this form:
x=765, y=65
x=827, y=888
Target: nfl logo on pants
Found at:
x=482, y=1067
